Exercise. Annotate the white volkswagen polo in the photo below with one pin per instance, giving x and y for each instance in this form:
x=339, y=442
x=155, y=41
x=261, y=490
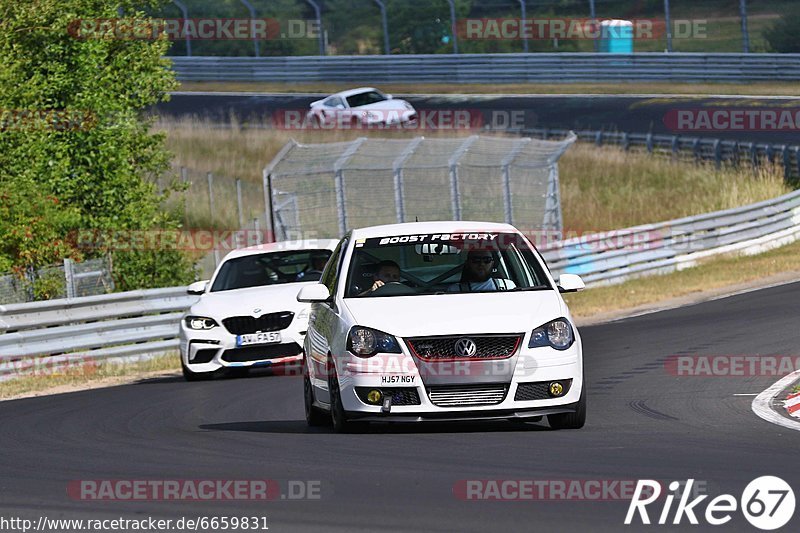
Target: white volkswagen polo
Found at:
x=248, y=314
x=441, y=321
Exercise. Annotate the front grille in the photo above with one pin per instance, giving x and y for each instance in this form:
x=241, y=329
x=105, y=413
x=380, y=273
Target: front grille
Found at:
x=539, y=390
x=487, y=347
x=242, y=325
x=400, y=395
x=257, y=353
x=466, y=396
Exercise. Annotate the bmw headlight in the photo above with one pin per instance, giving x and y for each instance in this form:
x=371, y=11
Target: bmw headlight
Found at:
x=366, y=342
x=200, y=322
x=557, y=334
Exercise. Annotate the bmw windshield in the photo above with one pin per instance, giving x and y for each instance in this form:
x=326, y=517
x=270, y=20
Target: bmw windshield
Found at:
x=272, y=268
x=409, y=265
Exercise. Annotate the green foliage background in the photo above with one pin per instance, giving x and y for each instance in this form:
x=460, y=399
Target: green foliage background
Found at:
x=96, y=171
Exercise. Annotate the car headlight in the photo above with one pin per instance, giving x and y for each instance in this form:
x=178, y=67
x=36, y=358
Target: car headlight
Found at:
x=557, y=334
x=366, y=342
x=200, y=322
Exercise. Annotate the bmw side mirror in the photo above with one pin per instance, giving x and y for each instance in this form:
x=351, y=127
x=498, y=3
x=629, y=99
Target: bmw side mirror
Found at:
x=197, y=288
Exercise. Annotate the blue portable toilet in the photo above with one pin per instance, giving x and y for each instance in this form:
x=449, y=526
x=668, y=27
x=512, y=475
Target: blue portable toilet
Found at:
x=616, y=37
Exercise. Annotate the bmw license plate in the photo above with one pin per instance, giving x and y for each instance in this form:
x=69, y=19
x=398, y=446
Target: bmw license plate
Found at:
x=270, y=337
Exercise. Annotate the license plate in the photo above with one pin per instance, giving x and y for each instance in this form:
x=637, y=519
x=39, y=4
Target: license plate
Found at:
x=270, y=337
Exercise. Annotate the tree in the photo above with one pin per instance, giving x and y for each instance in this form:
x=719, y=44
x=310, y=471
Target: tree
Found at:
x=72, y=125
x=784, y=35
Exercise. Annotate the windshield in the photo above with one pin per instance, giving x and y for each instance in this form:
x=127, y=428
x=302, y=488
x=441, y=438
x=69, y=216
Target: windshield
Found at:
x=369, y=97
x=408, y=265
x=272, y=268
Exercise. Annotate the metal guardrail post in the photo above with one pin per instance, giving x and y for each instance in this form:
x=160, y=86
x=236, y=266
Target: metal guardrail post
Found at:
x=385, y=24
x=668, y=23
x=598, y=138
x=787, y=162
x=675, y=146
x=252, y=10
x=696, y=150
x=318, y=13
x=397, y=171
x=453, y=28
x=239, y=209
x=455, y=194
x=185, y=13
x=648, y=142
x=69, y=278
x=717, y=154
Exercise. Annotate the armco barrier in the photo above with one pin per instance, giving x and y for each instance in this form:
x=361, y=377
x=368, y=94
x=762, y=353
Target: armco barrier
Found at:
x=146, y=322
x=493, y=68
x=616, y=256
x=90, y=328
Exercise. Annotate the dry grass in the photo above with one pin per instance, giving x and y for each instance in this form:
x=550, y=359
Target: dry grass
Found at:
x=714, y=273
x=612, y=189
x=85, y=373
x=765, y=89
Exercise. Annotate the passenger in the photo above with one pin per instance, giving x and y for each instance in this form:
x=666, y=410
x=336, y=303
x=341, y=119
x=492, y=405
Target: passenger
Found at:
x=476, y=274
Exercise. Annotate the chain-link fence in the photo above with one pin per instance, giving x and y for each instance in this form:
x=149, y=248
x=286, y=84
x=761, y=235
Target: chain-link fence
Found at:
x=326, y=189
x=68, y=280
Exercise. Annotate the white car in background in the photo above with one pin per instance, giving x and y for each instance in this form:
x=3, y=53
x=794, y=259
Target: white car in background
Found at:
x=248, y=315
x=364, y=107
x=441, y=321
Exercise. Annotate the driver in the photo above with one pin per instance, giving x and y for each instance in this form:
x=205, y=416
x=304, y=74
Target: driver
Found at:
x=476, y=274
x=387, y=272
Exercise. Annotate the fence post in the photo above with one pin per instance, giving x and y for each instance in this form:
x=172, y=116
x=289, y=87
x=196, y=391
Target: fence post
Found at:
x=239, y=209
x=753, y=155
x=338, y=176
x=69, y=278
x=649, y=143
x=185, y=180
x=717, y=153
x=797, y=159
x=675, y=146
x=696, y=150
x=668, y=23
x=626, y=142
x=598, y=138
x=508, y=206
x=397, y=170
x=455, y=194
x=736, y=154
x=787, y=163
x=210, y=180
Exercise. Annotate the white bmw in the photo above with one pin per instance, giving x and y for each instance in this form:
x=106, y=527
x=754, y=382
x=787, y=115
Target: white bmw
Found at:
x=248, y=314
x=441, y=321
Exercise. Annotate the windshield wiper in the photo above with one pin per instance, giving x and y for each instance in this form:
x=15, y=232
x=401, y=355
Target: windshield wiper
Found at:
x=536, y=288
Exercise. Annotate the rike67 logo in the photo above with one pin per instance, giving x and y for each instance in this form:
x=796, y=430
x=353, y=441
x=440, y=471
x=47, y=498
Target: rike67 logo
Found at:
x=767, y=503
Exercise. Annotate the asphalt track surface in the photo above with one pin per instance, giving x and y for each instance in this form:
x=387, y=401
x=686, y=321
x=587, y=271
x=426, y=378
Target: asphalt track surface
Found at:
x=630, y=113
x=643, y=423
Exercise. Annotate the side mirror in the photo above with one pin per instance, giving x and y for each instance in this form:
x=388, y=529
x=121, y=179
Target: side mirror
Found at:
x=570, y=283
x=197, y=288
x=316, y=293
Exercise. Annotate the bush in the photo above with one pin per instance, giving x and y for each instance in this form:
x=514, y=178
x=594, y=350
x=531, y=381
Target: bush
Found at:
x=73, y=131
x=784, y=35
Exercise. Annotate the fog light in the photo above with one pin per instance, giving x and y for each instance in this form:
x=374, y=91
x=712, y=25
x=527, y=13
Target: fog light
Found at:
x=374, y=396
x=556, y=389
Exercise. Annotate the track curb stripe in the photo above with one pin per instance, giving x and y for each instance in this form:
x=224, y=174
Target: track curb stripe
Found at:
x=762, y=404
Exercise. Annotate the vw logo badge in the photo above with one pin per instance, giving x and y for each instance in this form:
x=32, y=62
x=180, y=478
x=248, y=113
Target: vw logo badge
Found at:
x=466, y=347
x=256, y=310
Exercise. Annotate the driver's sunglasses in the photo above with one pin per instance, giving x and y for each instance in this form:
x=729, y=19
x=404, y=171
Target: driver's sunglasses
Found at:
x=479, y=260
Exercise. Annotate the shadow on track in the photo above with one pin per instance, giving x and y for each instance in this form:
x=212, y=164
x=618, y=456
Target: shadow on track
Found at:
x=299, y=427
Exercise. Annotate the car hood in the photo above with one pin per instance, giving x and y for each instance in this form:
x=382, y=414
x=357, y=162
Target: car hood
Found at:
x=445, y=314
x=386, y=105
x=268, y=299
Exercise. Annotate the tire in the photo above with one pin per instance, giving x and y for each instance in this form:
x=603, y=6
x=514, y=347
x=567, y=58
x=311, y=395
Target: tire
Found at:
x=315, y=416
x=574, y=420
x=341, y=424
x=188, y=375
